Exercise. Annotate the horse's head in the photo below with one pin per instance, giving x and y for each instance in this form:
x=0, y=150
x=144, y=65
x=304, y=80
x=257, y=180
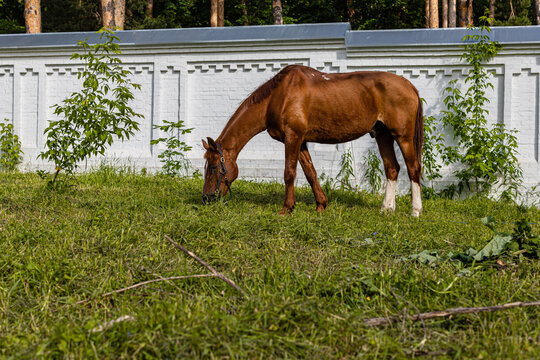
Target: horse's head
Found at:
x=220, y=171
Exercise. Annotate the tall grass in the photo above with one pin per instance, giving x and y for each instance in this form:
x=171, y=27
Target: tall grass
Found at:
x=311, y=278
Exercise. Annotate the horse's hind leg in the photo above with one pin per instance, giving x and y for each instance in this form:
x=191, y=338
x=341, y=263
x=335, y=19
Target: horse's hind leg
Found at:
x=385, y=142
x=414, y=169
x=311, y=176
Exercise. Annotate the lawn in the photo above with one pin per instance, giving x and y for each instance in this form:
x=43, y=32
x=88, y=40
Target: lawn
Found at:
x=310, y=279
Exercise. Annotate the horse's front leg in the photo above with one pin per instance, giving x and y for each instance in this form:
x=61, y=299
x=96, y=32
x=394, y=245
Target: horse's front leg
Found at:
x=311, y=176
x=292, y=150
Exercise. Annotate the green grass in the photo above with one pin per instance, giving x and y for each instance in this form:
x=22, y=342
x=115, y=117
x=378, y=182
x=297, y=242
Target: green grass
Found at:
x=311, y=278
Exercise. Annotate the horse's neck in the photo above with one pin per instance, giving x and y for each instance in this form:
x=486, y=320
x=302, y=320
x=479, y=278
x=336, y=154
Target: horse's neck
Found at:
x=242, y=127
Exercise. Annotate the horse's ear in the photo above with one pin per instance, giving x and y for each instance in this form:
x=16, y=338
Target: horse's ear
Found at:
x=212, y=143
x=205, y=144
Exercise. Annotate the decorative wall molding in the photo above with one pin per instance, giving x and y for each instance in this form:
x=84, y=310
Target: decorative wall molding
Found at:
x=6, y=71
x=28, y=71
x=66, y=69
x=63, y=69
x=260, y=65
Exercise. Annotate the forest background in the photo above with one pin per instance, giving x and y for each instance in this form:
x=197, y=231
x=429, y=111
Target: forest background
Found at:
x=86, y=15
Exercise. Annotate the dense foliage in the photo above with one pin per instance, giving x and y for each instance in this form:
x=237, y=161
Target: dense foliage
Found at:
x=483, y=157
x=10, y=147
x=84, y=15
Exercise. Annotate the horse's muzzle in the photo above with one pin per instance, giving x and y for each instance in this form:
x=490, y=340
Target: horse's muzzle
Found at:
x=209, y=198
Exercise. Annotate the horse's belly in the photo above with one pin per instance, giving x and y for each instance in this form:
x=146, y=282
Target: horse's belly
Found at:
x=339, y=132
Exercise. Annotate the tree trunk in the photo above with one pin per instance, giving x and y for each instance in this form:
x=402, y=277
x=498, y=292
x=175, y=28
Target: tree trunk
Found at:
x=492, y=9
x=427, y=13
x=213, y=13
x=452, y=14
x=113, y=13
x=244, y=12
x=120, y=13
x=537, y=11
x=277, y=12
x=434, y=14
x=462, y=13
x=149, y=8
x=32, y=16
x=221, y=13
x=470, y=20
x=350, y=11
x=511, y=10
x=444, y=13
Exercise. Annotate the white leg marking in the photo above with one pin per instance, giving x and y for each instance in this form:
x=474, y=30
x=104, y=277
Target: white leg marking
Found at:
x=416, y=193
x=389, y=203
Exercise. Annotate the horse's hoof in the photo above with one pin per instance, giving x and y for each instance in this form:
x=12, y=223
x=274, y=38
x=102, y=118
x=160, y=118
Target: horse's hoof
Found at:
x=387, y=210
x=320, y=208
x=285, y=211
x=416, y=212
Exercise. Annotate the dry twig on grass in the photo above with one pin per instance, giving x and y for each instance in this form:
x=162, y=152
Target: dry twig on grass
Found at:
x=380, y=321
x=109, y=324
x=214, y=273
x=134, y=286
x=212, y=270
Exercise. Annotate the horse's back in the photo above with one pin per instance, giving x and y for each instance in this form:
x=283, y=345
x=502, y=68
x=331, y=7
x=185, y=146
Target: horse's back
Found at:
x=364, y=88
x=334, y=108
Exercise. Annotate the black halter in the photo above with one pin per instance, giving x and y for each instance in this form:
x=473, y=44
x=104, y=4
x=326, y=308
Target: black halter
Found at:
x=222, y=176
x=222, y=173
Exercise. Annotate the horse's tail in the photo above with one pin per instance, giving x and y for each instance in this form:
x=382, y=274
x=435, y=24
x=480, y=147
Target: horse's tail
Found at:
x=419, y=132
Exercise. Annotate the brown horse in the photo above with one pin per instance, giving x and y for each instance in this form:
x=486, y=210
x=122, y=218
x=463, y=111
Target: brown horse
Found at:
x=301, y=105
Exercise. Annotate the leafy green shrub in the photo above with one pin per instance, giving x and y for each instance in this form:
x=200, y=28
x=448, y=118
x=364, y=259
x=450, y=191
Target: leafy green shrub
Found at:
x=485, y=157
x=346, y=175
x=92, y=118
x=173, y=158
x=373, y=171
x=433, y=138
x=10, y=147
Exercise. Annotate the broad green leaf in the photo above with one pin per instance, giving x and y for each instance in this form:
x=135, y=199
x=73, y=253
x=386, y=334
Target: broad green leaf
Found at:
x=494, y=248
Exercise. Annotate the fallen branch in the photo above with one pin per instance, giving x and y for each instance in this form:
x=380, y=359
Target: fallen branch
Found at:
x=203, y=263
x=214, y=273
x=446, y=313
x=148, y=282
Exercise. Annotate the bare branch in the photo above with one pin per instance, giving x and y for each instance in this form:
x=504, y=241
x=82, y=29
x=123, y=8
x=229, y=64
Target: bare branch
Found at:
x=148, y=282
x=448, y=312
x=109, y=324
x=203, y=263
x=214, y=273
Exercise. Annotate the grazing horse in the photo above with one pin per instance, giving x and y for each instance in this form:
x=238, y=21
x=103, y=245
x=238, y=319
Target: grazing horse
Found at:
x=300, y=105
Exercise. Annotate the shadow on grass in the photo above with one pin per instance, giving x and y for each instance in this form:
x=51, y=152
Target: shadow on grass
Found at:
x=274, y=193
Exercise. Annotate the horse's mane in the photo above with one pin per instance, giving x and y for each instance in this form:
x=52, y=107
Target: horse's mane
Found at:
x=264, y=91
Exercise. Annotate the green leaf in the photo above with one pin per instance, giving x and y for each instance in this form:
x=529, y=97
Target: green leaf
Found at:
x=425, y=257
x=494, y=248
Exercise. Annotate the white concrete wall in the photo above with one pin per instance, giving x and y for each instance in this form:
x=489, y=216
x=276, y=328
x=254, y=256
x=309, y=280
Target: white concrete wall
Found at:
x=202, y=81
